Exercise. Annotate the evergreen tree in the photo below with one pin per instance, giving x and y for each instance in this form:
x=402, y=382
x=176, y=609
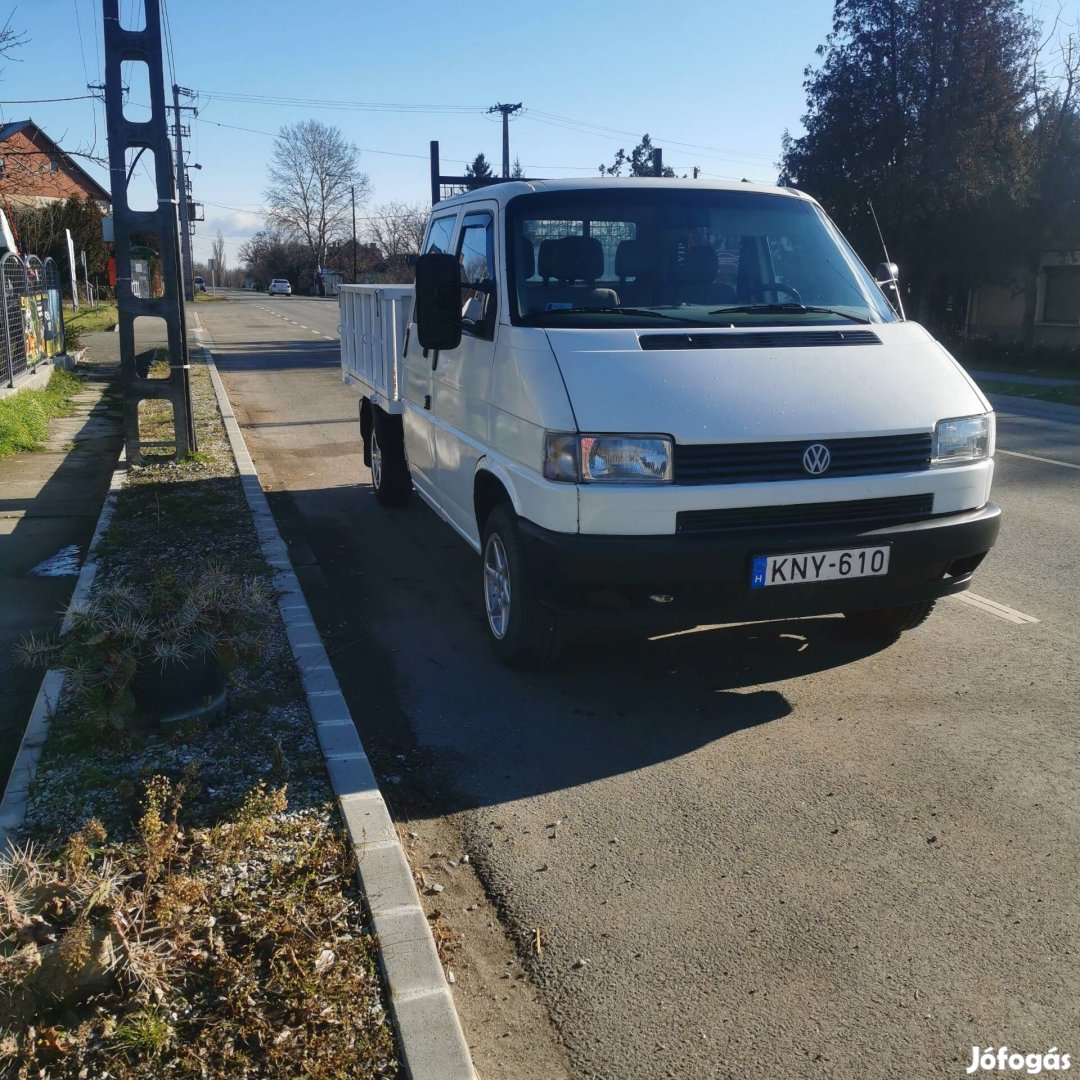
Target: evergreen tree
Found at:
x=480, y=169
x=639, y=161
x=919, y=106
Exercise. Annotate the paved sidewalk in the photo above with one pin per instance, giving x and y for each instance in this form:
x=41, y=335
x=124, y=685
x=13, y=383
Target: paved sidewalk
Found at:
x=49, y=505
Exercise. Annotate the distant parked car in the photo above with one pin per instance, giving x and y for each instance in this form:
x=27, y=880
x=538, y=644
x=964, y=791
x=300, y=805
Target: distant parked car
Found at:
x=200, y=284
x=280, y=287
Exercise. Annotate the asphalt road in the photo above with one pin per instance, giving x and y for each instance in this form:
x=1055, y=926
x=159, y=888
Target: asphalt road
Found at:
x=777, y=853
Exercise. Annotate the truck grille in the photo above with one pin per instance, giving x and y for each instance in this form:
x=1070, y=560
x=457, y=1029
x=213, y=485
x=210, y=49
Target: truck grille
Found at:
x=892, y=511
x=745, y=463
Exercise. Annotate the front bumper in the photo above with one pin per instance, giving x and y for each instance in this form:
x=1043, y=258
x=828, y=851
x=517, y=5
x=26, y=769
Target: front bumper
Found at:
x=707, y=576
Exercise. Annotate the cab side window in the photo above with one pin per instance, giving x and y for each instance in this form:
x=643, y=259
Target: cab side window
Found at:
x=442, y=229
x=476, y=257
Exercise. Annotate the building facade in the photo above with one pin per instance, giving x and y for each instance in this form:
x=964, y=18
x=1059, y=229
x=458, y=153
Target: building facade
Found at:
x=35, y=171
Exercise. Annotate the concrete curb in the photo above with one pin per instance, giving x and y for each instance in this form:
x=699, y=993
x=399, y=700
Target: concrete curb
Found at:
x=36, y=380
x=23, y=771
x=430, y=1038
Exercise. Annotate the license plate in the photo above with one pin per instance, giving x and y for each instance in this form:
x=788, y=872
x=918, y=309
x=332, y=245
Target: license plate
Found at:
x=808, y=566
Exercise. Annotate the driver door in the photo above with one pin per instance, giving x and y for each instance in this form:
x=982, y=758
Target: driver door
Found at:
x=462, y=375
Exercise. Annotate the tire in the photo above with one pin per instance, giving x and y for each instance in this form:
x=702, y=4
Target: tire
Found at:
x=390, y=478
x=522, y=631
x=889, y=622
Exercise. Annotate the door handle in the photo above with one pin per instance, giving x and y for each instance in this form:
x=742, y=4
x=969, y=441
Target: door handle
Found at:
x=434, y=359
x=427, y=401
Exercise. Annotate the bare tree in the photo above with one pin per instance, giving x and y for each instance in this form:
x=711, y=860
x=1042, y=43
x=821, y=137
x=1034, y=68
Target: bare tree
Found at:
x=394, y=230
x=312, y=170
x=397, y=228
x=218, y=251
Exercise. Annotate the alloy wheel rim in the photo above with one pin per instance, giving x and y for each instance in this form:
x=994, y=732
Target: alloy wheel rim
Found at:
x=497, y=586
x=376, y=462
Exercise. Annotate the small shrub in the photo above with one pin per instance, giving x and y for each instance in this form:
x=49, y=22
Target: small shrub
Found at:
x=128, y=630
x=73, y=340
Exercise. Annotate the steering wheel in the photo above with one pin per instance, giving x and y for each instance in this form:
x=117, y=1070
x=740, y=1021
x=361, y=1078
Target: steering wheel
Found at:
x=776, y=287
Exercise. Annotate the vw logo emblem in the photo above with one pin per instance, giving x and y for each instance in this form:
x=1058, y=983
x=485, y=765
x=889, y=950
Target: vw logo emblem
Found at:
x=816, y=459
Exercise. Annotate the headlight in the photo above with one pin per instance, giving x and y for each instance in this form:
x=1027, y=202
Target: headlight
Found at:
x=963, y=440
x=625, y=459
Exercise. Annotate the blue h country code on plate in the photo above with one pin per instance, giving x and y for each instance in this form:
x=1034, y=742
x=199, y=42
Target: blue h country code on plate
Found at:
x=757, y=575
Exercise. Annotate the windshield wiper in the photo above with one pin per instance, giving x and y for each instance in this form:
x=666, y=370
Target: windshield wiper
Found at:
x=787, y=309
x=613, y=311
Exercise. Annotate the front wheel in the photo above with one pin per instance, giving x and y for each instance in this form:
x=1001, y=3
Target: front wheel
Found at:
x=889, y=622
x=523, y=632
x=390, y=478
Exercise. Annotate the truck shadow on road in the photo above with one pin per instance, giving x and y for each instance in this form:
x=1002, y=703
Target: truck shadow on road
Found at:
x=396, y=599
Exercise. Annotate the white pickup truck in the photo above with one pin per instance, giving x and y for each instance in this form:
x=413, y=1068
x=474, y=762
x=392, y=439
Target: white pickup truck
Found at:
x=670, y=402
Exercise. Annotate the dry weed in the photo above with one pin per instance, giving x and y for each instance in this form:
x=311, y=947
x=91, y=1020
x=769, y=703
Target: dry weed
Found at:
x=230, y=951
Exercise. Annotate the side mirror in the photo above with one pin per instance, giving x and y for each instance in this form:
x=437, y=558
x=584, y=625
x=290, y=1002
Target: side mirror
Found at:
x=887, y=274
x=437, y=301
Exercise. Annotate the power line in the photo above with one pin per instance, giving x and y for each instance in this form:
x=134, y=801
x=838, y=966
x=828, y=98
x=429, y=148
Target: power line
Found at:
x=540, y=116
x=49, y=100
x=595, y=129
x=169, y=41
x=362, y=149
x=330, y=103
x=82, y=47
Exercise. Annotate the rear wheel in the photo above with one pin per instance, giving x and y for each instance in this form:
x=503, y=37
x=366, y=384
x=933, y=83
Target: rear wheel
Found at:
x=390, y=478
x=889, y=622
x=523, y=632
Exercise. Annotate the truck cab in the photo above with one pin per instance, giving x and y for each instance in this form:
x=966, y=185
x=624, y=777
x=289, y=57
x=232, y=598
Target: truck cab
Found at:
x=669, y=402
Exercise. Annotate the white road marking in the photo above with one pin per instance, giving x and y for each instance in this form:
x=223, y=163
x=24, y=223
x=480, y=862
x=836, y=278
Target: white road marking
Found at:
x=1044, y=460
x=992, y=607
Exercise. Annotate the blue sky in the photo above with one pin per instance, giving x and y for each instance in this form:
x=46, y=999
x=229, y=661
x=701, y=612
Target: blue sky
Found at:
x=714, y=84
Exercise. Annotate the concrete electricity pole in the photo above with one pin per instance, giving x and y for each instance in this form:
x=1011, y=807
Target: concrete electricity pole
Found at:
x=507, y=111
x=182, y=190
x=126, y=139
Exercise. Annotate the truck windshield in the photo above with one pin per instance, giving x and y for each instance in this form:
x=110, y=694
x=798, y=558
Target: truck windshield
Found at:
x=634, y=258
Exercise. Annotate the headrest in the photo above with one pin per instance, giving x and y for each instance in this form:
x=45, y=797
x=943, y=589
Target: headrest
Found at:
x=634, y=258
x=571, y=258
x=698, y=266
x=526, y=256
x=579, y=258
x=546, y=260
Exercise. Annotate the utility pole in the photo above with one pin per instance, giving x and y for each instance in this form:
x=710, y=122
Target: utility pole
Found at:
x=507, y=111
x=126, y=137
x=182, y=190
x=352, y=197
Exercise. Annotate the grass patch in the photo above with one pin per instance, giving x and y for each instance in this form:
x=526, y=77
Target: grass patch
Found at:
x=25, y=416
x=1063, y=395
x=208, y=298
x=1011, y=357
x=87, y=320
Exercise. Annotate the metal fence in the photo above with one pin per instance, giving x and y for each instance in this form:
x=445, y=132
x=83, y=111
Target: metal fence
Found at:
x=33, y=315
